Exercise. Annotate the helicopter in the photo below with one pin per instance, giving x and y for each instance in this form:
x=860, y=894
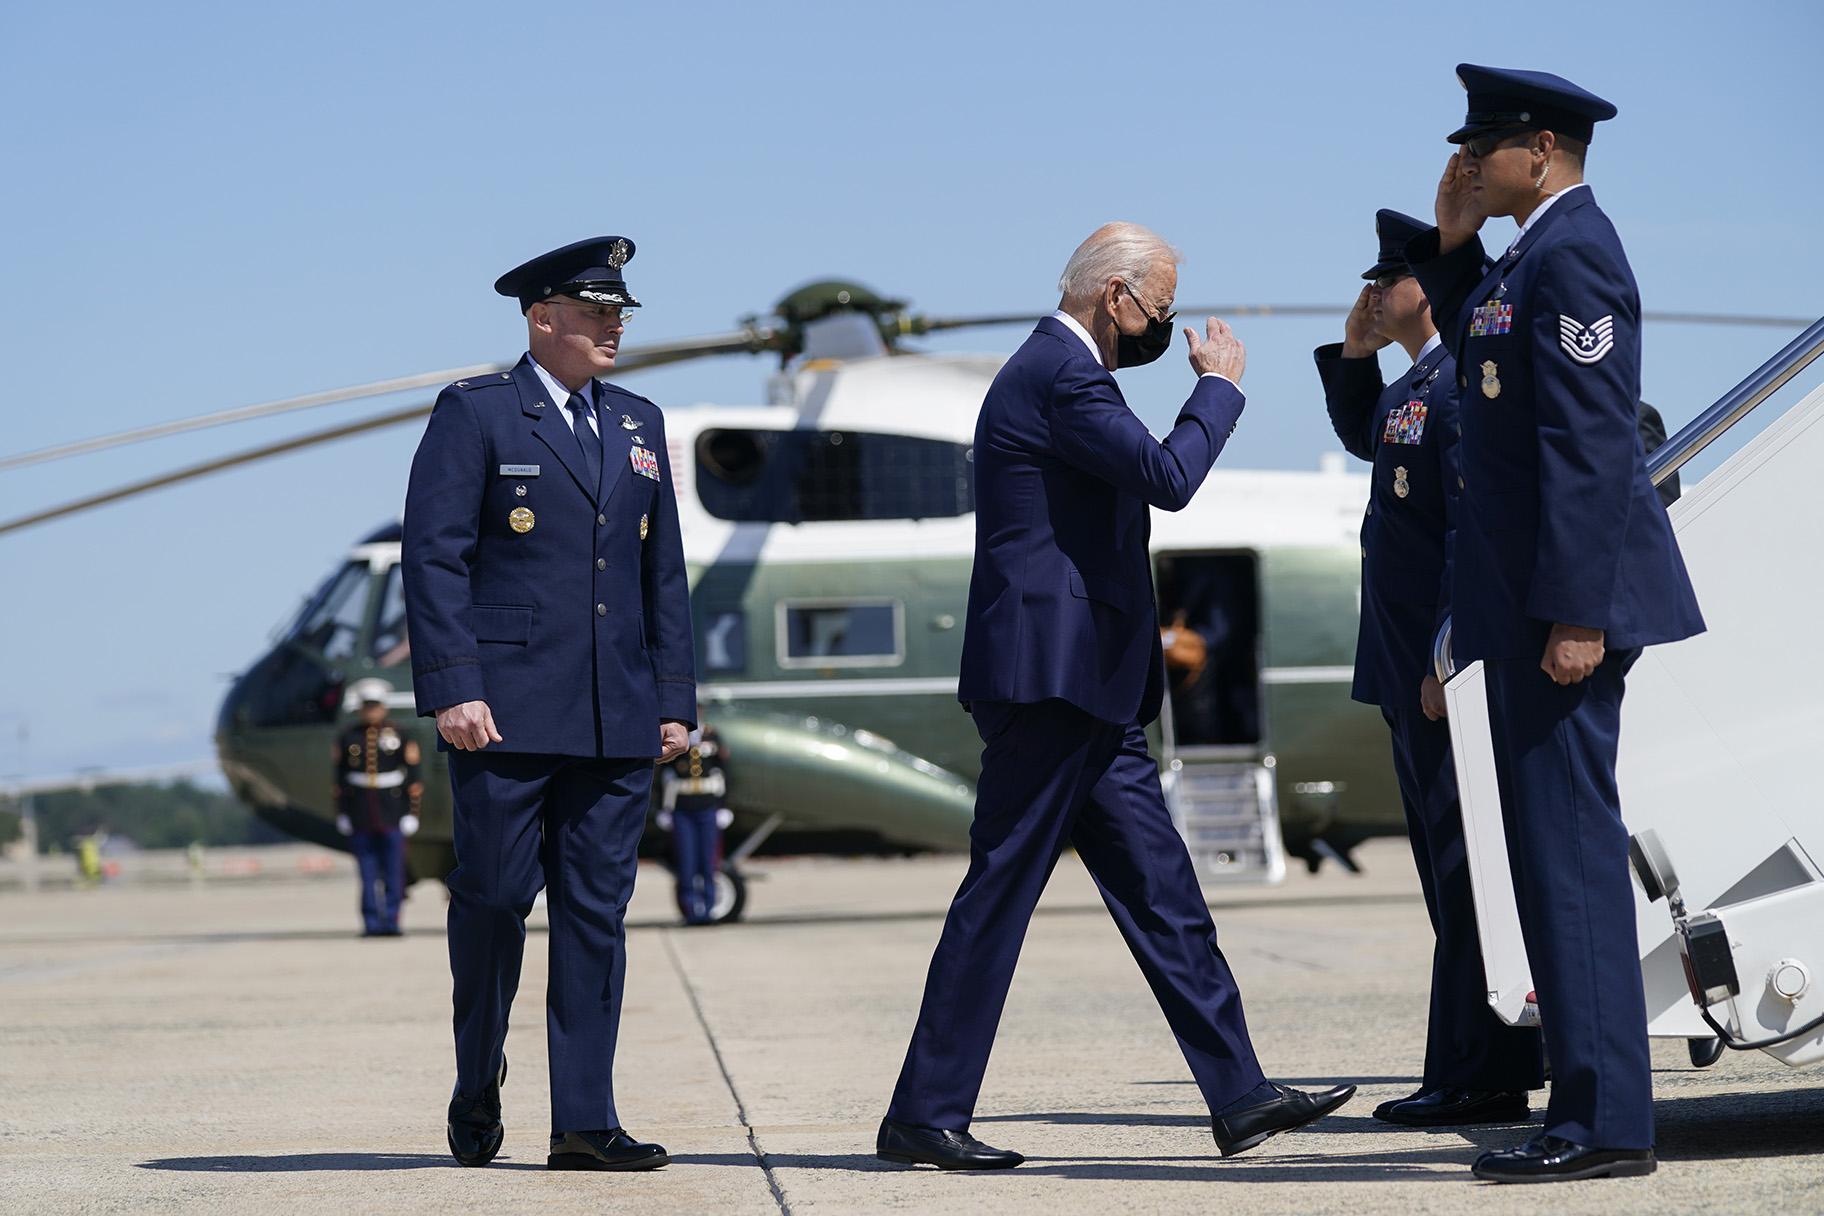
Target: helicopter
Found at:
x=829, y=538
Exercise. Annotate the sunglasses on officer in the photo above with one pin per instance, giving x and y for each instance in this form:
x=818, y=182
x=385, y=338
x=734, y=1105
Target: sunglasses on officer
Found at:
x=1484, y=145
x=608, y=316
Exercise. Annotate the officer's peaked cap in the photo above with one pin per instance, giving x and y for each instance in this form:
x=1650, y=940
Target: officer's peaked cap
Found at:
x=589, y=270
x=1509, y=97
x=1394, y=229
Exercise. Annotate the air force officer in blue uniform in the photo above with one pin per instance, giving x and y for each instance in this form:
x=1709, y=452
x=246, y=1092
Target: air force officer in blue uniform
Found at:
x=1477, y=1068
x=1061, y=668
x=1565, y=566
x=550, y=628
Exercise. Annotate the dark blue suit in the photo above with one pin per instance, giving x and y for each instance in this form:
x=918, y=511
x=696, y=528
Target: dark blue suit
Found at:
x=1061, y=666
x=1408, y=430
x=1559, y=523
x=576, y=632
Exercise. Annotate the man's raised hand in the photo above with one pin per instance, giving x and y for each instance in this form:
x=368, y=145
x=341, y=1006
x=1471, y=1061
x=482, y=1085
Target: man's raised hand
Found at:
x=1360, y=338
x=1221, y=353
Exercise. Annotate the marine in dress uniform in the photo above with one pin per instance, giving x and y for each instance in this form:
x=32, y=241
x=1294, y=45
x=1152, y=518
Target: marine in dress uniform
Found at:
x=378, y=784
x=1565, y=566
x=1061, y=669
x=695, y=788
x=1477, y=1068
x=550, y=624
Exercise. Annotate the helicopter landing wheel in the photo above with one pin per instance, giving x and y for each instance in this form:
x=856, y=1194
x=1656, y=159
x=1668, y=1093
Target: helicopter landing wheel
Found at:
x=1704, y=1052
x=729, y=899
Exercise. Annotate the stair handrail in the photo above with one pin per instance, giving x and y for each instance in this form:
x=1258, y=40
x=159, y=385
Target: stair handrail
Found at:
x=1695, y=436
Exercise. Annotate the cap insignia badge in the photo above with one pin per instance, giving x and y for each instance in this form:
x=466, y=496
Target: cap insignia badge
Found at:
x=618, y=253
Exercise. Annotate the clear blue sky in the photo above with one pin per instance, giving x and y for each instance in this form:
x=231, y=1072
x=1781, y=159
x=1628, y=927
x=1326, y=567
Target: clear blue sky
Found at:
x=207, y=205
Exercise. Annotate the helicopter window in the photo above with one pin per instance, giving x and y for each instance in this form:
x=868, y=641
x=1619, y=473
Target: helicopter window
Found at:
x=725, y=642
x=841, y=633
x=757, y=476
x=331, y=625
x=391, y=645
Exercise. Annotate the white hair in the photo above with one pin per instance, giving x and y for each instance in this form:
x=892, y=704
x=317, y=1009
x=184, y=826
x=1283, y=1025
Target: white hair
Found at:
x=1114, y=251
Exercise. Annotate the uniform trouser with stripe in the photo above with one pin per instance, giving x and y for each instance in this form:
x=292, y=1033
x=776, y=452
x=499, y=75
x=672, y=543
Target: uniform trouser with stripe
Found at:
x=1466, y=1045
x=1555, y=749
x=571, y=826
x=380, y=859
x=1053, y=776
x=694, y=842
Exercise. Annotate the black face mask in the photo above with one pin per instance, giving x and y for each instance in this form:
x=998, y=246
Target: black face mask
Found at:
x=1137, y=350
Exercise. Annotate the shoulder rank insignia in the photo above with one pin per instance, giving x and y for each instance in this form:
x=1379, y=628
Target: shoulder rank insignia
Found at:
x=1586, y=344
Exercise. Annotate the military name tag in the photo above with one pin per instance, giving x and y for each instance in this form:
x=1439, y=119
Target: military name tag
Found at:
x=519, y=470
x=521, y=519
x=1491, y=383
x=644, y=462
x=1406, y=424
x=1491, y=320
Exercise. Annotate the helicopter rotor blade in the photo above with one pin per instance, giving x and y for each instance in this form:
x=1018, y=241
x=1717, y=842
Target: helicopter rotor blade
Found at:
x=217, y=465
x=912, y=326
x=746, y=341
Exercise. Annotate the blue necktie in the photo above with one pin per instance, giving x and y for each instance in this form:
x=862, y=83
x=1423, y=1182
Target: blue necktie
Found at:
x=588, y=440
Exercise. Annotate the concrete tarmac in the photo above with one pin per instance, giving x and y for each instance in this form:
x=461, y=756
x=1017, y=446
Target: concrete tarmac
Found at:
x=232, y=1047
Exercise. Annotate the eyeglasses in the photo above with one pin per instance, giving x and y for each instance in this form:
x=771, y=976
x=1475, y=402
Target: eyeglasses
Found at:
x=602, y=314
x=1481, y=146
x=1150, y=315
x=1383, y=281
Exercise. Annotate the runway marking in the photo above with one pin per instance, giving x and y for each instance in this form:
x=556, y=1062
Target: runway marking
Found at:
x=715, y=1049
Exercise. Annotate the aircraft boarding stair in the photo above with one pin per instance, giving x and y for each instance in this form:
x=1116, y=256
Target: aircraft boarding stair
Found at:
x=1720, y=734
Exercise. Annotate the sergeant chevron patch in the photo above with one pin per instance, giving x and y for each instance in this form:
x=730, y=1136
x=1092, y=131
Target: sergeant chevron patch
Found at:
x=1586, y=344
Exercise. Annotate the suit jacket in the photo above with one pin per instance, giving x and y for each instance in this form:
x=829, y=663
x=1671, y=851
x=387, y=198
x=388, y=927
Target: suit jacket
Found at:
x=1408, y=429
x=1061, y=598
x=1559, y=521
x=575, y=631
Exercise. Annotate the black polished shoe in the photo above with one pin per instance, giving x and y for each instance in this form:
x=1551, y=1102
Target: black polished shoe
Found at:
x=1554, y=1159
x=947, y=1150
x=475, y=1130
x=613, y=1149
x=1240, y=1130
x=1380, y=1112
x=1456, y=1106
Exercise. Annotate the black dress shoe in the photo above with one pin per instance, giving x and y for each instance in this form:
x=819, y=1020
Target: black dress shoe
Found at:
x=1380, y=1112
x=613, y=1149
x=1554, y=1159
x=475, y=1130
x=1240, y=1130
x=947, y=1150
x=1455, y=1106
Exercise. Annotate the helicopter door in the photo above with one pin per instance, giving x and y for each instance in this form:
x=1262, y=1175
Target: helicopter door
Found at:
x=1216, y=775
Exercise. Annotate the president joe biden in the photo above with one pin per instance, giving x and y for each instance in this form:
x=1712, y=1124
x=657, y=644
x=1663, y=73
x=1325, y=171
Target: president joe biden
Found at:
x=1061, y=671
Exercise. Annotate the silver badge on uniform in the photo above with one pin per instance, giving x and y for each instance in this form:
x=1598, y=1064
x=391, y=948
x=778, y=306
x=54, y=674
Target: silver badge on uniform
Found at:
x=1401, y=487
x=628, y=424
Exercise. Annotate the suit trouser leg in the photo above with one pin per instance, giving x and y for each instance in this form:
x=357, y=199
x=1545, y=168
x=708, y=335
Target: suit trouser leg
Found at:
x=595, y=812
x=1466, y=1044
x=1039, y=762
x=498, y=804
x=1555, y=750
x=1126, y=838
